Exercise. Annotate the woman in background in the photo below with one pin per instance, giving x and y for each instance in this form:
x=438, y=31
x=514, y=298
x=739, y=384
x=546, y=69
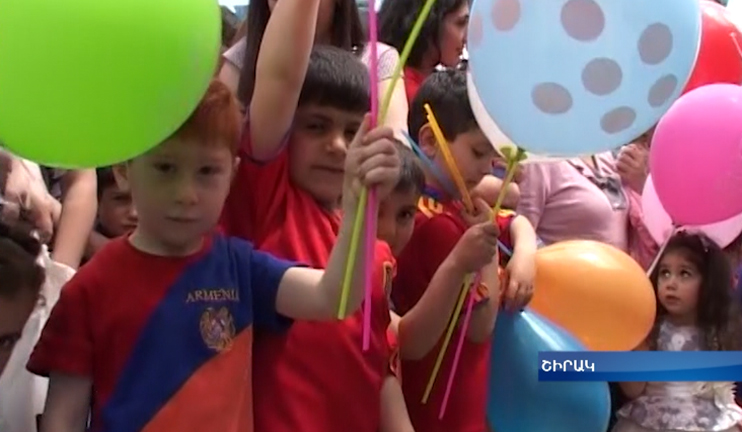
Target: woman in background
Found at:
x=442, y=39
x=591, y=198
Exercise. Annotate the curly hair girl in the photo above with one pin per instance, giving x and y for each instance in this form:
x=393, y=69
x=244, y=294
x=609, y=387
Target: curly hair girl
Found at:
x=695, y=311
x=708, y=301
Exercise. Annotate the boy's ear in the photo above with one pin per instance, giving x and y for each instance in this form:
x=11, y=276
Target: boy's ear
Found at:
x=426, y=140
x=121, y=174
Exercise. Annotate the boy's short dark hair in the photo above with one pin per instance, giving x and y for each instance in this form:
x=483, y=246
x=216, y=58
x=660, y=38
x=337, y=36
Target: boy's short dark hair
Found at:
x=105, y=179
x=445, y=91
x=411, y=175
x=336, y=78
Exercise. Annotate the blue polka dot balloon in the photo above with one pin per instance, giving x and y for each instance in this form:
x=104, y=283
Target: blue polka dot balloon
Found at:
x=577, y=77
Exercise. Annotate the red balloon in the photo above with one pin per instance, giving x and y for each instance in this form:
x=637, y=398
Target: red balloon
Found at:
x=720, y=56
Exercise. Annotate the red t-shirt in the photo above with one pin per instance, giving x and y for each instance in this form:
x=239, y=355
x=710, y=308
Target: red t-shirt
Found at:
x=413, y=79
x=316, y=377
x=167, y=342
x=438, y=227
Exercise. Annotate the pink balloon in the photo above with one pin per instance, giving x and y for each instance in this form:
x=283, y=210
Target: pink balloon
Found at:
x=696, y=155
x=656, y=219
x=659, y=224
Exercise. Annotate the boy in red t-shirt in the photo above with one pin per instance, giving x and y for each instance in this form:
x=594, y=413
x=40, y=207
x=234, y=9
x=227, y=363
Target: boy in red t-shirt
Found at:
x=441, y=227
x=395, y=226
x=155, y=333
x=286, y=198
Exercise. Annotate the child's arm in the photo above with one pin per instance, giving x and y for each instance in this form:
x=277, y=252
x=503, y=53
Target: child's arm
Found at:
x=372, y=161
x=521, y=268
x=483, y=318
x=489, y=188
x=396, y=115
x=398, y=108
x=394, y=321
x=279, y=73
x=67, y=404
x=422, y=326
x=633, y=390
x=394, y=415
x=79, y=205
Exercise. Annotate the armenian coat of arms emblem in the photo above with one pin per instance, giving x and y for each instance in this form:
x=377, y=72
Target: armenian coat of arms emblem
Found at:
x=217, y=328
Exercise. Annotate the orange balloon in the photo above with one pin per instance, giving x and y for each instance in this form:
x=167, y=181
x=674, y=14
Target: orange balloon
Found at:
x=596, y=292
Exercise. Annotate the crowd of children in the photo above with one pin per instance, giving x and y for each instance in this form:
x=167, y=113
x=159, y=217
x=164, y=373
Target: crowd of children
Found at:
x=208, y=295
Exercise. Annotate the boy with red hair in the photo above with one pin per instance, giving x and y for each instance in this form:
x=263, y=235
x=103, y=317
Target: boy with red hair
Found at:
x=155, y=333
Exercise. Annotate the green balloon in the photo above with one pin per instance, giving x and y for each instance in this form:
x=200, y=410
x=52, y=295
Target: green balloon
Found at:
x=88, y=83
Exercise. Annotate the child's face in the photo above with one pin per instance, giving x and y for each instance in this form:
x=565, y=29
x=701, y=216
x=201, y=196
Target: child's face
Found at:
x=13, y=315
x=397, y=219
x=474, y=156
x=116, y=213
x=179, y=189
x=678, y=285
x=319, y=142
x=453, y=35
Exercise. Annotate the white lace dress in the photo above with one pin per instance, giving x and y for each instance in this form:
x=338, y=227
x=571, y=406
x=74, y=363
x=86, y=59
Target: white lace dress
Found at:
x=681, y=406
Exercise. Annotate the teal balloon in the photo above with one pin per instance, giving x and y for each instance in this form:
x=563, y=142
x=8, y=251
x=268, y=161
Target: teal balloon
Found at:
x=518, y=402
x=86, y=83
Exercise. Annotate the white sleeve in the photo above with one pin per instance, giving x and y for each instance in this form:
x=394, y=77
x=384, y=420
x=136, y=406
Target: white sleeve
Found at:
x=236, y=54
x=388, y=60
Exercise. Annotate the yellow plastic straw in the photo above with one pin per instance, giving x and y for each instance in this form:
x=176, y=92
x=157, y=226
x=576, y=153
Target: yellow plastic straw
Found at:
x=512, y=164
x=450, y=161
x=447, y=338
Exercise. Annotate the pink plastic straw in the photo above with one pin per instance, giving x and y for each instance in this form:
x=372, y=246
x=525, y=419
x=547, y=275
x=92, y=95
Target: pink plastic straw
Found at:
x=460, y=346
x=372, y=204
x=370, y=241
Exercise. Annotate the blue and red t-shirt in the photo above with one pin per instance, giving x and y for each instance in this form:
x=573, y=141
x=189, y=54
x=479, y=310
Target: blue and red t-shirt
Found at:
x=315, y=377
x=166, y=341
x=438, y=227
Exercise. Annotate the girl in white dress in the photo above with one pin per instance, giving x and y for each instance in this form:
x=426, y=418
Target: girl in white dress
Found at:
x=695, y=312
